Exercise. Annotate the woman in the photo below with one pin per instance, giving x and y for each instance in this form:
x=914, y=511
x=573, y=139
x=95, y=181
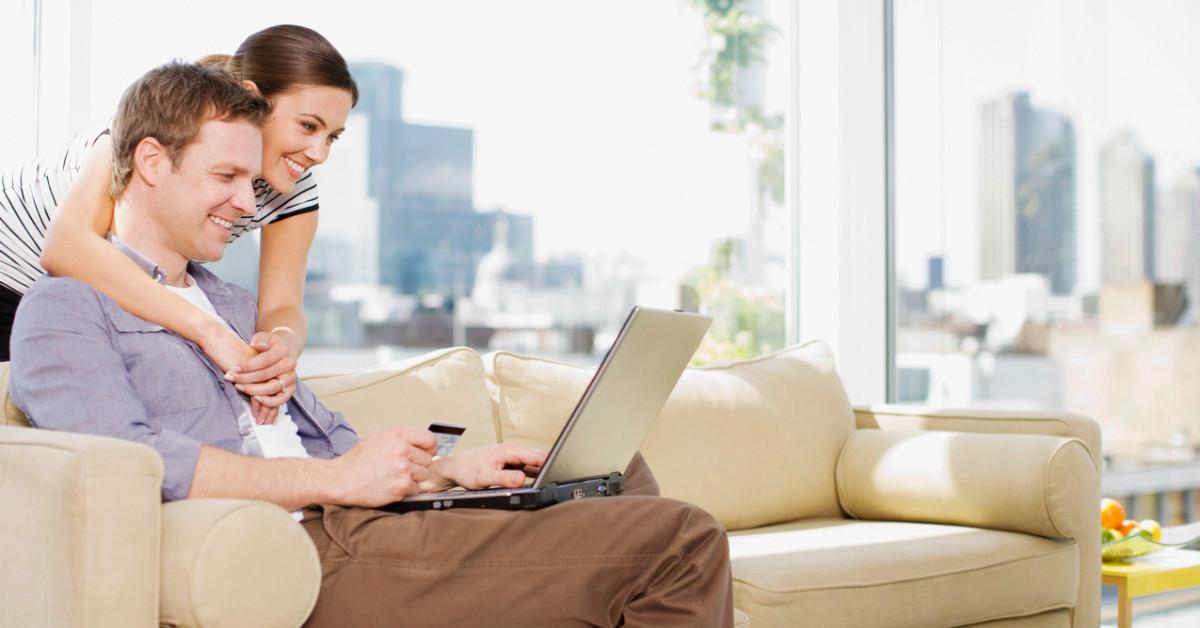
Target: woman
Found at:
x=311, y=92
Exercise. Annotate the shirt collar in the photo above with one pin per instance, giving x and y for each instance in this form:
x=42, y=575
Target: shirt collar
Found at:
x=209, y=283
x=146, y=264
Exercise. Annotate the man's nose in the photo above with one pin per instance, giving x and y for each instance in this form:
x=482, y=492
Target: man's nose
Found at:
x=243, y=199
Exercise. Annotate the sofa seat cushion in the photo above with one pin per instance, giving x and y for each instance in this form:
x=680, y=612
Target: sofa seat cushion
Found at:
x=841, y=572
x=446, y=385
x=775, y=423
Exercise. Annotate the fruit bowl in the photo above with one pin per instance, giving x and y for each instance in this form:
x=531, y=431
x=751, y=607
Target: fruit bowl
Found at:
x=1138, y=545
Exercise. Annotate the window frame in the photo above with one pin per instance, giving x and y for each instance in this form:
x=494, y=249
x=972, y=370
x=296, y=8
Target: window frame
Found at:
x=845, y=209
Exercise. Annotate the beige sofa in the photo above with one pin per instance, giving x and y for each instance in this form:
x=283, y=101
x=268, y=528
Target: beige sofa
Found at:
x=838, y=516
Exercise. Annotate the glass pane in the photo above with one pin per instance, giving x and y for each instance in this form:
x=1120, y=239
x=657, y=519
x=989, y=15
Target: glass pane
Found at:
x=16, y=48
x=1048, y=213
x=518, y=175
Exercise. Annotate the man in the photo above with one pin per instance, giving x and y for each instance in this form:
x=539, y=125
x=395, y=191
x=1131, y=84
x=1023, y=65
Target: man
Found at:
x=186, y=148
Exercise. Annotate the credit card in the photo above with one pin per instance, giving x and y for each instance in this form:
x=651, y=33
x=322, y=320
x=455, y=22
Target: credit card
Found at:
x=447, y=435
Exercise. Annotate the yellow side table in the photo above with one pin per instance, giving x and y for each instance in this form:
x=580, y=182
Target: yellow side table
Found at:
x=1169, y=570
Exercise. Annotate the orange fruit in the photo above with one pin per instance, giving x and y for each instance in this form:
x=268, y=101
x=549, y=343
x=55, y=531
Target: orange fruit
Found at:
x=1127, y=525
x=1112, y=514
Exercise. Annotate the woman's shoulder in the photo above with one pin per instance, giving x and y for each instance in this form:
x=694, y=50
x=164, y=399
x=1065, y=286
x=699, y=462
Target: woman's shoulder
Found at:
x=65, y=162
x=72, y=155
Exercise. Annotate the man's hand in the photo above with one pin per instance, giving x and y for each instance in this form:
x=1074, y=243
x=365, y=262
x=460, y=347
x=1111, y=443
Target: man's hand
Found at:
x=384, y=467
x=484, y=468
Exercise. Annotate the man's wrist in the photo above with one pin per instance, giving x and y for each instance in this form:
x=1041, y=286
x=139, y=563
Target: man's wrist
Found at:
x=440, y=475
x=331, y=487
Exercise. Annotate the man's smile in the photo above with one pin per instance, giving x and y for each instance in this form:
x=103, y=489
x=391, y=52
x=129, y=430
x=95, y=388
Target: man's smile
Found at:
x=223, y=223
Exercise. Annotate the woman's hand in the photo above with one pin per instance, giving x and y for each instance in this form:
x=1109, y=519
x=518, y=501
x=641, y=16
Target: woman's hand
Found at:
x=268, y=377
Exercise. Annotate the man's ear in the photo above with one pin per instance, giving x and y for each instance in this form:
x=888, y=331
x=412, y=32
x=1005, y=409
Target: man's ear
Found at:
x=149, y=160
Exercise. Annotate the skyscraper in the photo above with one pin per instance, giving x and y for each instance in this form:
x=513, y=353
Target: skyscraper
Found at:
x=346, y=248
x=936, y=272
x=1127, y=211
x=1027, y=192
x=430, y=235
x=1178, y=207
x=381, y=90
x=1186, y=194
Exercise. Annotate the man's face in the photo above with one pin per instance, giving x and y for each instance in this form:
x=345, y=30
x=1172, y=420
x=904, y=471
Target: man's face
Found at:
x=209, y=188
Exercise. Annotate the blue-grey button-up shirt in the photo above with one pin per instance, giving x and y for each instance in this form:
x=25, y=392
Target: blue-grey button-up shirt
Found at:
x=80, y=363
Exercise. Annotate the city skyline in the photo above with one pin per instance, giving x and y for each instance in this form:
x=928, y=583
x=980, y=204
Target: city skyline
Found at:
x=1027, y=161
x=429, y=234
x=1108, y=64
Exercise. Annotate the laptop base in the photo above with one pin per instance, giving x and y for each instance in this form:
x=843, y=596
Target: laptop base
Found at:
x=512, y=498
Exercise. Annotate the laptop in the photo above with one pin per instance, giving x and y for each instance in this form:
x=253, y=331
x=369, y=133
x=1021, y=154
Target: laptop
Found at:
x=609, y=422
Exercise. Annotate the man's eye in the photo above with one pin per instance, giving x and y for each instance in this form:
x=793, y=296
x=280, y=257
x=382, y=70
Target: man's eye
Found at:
x=228, y=176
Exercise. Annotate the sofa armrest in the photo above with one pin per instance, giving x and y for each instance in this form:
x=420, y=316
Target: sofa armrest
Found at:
x=234, y=562
x=1043, y=485
x=81, y=538
x=891, y=416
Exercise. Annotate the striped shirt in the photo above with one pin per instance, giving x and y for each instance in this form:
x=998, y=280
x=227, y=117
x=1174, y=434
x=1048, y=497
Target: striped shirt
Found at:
x=29, y=196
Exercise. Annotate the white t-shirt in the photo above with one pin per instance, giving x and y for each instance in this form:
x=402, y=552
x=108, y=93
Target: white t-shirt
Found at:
x=279, y=440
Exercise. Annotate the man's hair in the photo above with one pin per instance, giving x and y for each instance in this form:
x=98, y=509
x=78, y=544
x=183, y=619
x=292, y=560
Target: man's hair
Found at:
x=170, y=103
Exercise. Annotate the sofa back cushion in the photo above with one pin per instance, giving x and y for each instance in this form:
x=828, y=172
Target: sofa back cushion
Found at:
x=753, y=442
x=446, y=385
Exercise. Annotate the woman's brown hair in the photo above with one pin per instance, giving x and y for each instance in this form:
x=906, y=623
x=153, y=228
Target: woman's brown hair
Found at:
x=280, y=57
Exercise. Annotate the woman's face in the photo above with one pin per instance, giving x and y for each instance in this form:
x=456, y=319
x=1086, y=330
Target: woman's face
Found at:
x=305, y=121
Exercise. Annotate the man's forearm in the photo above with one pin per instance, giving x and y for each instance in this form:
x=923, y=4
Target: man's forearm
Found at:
x=293, y=483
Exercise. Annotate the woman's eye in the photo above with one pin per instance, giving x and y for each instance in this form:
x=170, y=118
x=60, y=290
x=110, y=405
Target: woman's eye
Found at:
x=228, y=176
x=334, y=138
x=309, y=126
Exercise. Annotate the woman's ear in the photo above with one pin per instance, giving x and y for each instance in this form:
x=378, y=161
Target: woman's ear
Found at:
x=149, y=158
x=250, y=85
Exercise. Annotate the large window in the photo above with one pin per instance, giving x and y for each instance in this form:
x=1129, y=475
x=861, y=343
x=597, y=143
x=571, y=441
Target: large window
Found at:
x=516, y=175
x=17, y=20
x=1047, y=193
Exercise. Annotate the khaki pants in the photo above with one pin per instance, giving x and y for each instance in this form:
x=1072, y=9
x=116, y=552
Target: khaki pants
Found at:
x=635, y=559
